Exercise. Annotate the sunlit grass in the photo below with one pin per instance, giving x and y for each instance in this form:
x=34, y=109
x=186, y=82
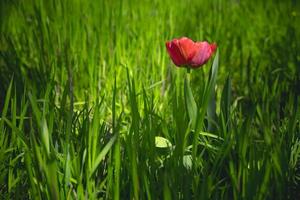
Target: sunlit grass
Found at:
x=93, y=108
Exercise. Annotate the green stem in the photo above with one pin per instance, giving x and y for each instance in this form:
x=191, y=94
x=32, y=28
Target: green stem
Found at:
x=188, y=70
x=188, y=75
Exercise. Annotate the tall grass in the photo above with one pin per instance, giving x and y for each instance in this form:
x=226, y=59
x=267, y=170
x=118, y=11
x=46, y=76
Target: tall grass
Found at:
x=92, y=107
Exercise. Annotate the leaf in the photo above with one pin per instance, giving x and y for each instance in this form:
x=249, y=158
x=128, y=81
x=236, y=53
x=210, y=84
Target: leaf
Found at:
x=102, y=154
x=190, y=102
x=211, y=111
x=6, y=104
x=226, y=100
x=187, y=161
x=210, y=135
x=161, y=142
x=208, y=92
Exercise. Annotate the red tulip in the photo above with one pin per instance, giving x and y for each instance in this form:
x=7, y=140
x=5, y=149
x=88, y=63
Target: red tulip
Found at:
x=186, y=52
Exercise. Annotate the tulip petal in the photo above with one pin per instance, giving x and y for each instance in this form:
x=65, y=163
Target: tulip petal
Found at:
x=188, y=48
x=175, y=53
x=204, y=52
x=213, y=47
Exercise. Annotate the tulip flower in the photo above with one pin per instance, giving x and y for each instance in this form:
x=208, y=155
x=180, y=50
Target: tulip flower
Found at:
x=185, y=52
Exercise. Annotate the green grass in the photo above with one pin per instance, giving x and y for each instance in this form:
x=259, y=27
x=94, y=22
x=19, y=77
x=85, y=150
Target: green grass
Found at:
x=92, y=107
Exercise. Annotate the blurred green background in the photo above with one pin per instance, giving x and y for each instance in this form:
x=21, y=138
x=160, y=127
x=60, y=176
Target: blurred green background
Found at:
x=85, y=78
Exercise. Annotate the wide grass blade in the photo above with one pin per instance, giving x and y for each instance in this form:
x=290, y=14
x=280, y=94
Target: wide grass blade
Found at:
x=102, y=154
x=191, y=105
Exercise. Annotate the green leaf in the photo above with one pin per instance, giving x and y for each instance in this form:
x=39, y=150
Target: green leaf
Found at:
x=190, y=102
x=208, y=92
x=210, y=95
x=211, y=111
x=187, y=161
x=161, y=142
x=6, y=104
x=226, y=99
x=102, y=154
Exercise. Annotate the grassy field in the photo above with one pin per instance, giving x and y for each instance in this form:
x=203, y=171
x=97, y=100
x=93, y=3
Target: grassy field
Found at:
x=92, y=107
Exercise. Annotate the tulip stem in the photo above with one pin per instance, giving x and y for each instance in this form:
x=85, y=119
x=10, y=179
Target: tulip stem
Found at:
x=188, y=75
x=188, y=70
